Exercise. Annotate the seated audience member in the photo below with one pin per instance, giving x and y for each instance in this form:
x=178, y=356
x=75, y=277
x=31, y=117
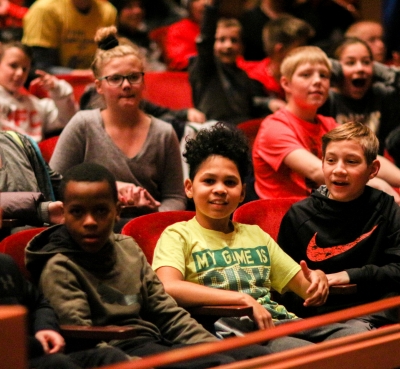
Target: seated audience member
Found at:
x=357, y=97
x=61, y=32
x=370, y=32
x=253, y=22
x=109, y=279
x=27, y=184
x=11, y=21
x=210, y=260
x=180, y=40
x=221, y=90
x=280, y=35
x=286, y=151
x=45, y=345
x=141, y=151
x=346, y=228
x=131, y=24
x=23, y=112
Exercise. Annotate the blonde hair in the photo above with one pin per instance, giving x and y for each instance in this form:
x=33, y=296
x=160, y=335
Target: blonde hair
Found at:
x=110, y=46
x=302, y=55
x=355, y=131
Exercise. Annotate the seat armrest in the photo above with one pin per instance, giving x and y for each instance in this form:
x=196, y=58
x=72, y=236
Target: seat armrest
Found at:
x=10, y=223
x=221, y=310
x=343, y=289
x=105, y=333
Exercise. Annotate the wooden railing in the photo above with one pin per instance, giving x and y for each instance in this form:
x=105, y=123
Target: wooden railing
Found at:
x=390, y=337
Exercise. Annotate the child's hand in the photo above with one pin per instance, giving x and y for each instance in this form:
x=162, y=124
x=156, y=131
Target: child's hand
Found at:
x=338, y=278
x=318, y=289
x=51, y=341
x=45, y=80
x=260, y=314
x=194, y=115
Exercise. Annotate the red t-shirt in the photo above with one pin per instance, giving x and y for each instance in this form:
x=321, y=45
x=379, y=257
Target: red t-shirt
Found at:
x=259, y=70
x=180, y=43
x=280, y=134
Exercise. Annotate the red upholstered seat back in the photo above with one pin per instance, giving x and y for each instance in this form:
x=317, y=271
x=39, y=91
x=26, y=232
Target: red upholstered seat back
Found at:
x=250, y=129
x=266, y=213
x=14, y=245
x=168, y=89
x=146, y=229
x=47, y=147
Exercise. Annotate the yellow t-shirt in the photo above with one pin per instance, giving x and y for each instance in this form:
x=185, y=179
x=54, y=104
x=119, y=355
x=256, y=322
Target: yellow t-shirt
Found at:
x=59, y=25
x=247, y=260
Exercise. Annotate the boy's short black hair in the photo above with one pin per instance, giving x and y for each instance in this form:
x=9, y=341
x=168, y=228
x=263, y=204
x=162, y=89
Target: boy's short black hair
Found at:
x=89, y=172
x=221, y=140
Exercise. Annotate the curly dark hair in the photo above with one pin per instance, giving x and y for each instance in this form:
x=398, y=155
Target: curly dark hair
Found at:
x=221, y=140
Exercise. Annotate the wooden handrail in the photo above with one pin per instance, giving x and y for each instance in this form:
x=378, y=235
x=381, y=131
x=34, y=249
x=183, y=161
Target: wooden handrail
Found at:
x=204, y=349
x=355, y=351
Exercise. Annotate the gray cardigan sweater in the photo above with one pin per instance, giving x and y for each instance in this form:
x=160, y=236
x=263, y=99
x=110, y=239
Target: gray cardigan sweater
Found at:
x=157, y=167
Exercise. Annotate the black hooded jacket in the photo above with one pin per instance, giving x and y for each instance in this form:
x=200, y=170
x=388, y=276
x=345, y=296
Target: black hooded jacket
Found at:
x=361, y=237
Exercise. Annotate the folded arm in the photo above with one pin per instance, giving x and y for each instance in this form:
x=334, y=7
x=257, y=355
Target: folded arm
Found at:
x=191, y=294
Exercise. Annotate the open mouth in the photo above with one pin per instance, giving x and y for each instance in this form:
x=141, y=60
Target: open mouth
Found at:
x=340, y=184
x=359, y=82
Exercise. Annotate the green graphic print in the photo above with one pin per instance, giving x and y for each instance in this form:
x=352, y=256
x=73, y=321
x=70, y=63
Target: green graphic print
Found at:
x=245, y=270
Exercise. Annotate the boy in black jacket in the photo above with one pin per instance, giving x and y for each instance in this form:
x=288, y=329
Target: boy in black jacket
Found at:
x=347, y=229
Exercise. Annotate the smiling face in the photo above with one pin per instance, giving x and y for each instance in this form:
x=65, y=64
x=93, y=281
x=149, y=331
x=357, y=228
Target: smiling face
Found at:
x=346, y=170
x=127, y=95
x=227, y=45
x=216, y=190
x=14, y=69
x=357, y=68
x=132, y=15
x=308, y=87
x=90, y=212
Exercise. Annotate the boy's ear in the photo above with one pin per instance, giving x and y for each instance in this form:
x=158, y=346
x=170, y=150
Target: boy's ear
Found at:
x=188, y=188
x=374, y=168
x=119, y=208
x=285, y=83
x=279, y=51
x=243, y=194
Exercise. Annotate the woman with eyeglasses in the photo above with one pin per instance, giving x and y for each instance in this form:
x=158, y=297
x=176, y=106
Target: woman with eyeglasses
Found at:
x=141, y=151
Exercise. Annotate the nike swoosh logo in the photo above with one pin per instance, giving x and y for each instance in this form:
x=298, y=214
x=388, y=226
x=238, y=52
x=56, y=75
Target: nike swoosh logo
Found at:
x=316, y=253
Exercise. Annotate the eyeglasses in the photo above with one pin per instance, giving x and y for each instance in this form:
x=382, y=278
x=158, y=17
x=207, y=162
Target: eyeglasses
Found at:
x=118, y=79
